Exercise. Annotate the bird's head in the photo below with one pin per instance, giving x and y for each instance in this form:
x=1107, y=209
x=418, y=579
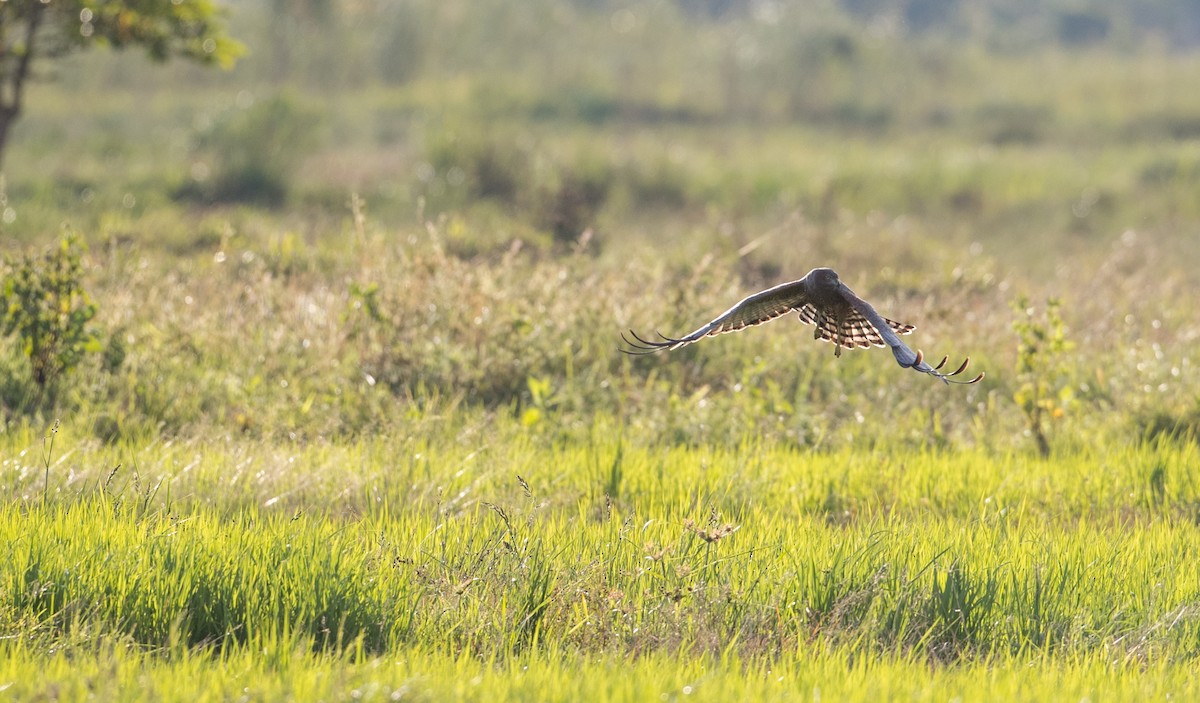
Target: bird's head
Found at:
x=823, y=277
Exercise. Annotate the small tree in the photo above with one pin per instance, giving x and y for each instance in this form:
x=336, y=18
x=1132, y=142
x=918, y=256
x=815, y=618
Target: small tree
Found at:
x=1043, y=374
x=43, y=302
x=32, y=30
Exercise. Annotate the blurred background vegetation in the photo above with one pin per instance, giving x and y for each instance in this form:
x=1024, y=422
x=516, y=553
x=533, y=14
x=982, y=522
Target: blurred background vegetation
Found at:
x=397, y=212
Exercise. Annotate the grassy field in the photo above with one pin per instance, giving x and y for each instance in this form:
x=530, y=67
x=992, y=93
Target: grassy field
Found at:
x=529, y=570
x=340, y=413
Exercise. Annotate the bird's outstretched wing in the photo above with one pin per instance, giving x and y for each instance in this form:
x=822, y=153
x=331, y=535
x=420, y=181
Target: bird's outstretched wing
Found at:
x=857, y=331
x=752, y=310
x=905, y=356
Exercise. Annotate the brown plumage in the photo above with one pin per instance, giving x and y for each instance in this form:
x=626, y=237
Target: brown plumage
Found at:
x=818, y=299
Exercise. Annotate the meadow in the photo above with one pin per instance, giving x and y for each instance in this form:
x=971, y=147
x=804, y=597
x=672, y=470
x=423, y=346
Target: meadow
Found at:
x=334, y=407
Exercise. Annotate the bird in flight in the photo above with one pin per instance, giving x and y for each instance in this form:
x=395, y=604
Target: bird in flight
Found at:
x=819, y=299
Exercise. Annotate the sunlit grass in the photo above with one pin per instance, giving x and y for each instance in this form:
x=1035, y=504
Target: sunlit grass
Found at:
x=760, y=544
x=752, y=569
x=112, y=672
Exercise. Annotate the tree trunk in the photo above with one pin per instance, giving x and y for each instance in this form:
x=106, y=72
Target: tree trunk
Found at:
x=6, y=120
x=15, y=76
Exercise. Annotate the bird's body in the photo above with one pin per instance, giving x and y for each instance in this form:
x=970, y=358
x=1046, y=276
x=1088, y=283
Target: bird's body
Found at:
x=819, y=299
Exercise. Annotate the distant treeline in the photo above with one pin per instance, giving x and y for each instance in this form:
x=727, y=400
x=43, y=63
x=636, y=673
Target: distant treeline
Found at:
x=1001, y=24
x=615, y=45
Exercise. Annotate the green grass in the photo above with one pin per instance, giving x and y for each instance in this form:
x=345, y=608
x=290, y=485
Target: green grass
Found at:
x=807, y=674
x=754, y=570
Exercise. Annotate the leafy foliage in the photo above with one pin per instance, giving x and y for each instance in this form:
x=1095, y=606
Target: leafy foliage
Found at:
x=46, y=307
x=39, y=29
x=164, y=28
x=1043, y=392
x=255, y=152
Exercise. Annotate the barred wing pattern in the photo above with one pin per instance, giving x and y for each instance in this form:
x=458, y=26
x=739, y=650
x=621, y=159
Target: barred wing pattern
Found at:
x=819, y=299
x=905, y=356
x=857, y=331
x=749, y=311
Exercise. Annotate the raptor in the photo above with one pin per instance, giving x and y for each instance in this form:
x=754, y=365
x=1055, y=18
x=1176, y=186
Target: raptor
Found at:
x=822, y=300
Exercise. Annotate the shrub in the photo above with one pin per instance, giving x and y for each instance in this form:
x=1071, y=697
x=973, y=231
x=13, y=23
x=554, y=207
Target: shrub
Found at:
x=1044, y=392
x=571, y=208
x=254, y=152
x=1010, y=123
x=479, y=167
x=45, y=305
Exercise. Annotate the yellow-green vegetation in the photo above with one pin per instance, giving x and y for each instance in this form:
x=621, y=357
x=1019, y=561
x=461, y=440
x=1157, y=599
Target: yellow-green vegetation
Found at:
x=310, y=385
x=438, y=568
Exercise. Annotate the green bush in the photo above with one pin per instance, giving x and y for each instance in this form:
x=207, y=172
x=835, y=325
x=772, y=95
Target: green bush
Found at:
x=570, y=209
x=46, y=307
x=1043, y=393
x=1005, y=123
x=478, y=167
x=254, y=152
